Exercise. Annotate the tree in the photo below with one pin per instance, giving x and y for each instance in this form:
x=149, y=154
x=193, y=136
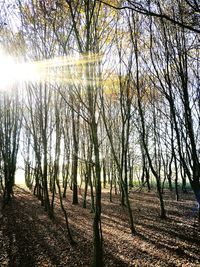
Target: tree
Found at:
x=10, y=127
x=87, y=45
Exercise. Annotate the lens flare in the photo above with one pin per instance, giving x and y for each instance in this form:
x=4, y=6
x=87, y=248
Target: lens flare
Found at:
x=12, y=72
x=57, y=70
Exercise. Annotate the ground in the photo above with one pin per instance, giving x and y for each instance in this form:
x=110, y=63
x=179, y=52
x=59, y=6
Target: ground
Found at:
x=29, y=238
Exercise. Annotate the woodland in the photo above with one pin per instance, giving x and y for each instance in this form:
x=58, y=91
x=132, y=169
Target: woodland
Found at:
x=100, y=113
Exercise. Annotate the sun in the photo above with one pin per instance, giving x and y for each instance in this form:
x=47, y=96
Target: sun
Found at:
x=13, y=72
x=9, y=71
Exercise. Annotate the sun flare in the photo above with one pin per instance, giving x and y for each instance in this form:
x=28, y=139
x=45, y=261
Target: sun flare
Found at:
x=12, y=72
x=8, y=71
x=56, y=70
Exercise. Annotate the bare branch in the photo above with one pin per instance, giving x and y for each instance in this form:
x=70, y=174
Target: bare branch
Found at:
x=140, y=9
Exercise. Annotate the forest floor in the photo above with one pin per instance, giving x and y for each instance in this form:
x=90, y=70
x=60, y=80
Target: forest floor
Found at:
x=29, y=238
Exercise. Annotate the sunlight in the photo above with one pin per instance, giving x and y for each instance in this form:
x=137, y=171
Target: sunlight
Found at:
x=49, y=70
x=20, y=178
x=8, y=70
x=64, y=69
x=13, y=72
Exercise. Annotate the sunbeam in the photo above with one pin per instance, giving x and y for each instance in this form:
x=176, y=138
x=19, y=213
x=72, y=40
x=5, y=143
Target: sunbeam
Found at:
x=57, y=70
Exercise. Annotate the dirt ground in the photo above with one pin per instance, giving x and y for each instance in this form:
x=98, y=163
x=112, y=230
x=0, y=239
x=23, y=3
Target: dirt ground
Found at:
x=29, y=238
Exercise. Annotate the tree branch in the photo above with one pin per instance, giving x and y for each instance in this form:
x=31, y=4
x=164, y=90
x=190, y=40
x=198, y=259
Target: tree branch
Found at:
x=142, y=10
